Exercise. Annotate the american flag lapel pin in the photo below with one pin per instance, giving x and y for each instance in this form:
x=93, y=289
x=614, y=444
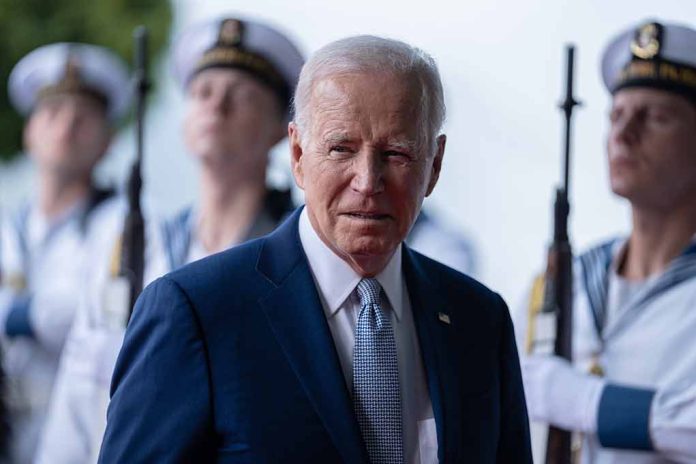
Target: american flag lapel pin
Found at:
x=444, y=318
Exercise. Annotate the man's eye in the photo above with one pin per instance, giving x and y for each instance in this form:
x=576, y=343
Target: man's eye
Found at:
x=396, y=154
x=339, y=149
x=658, y=115
x=201, y=92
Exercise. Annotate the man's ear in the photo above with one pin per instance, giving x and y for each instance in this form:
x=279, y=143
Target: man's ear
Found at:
x=296, y=154
x=437, y=163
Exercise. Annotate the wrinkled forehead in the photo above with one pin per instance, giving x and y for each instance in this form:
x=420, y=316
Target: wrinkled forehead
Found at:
x=359, y=86
x=368, y=101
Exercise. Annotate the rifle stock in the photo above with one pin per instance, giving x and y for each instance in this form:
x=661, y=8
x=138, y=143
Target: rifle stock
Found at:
x=559, y=441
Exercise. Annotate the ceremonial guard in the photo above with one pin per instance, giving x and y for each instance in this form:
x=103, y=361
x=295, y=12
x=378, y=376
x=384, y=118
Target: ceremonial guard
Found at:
x=72, y=95
x=630, y=393
x=238, y=77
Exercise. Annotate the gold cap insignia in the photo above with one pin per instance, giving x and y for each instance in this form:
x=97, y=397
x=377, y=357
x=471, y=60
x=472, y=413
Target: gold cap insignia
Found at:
x=646, y=43
x=230, y=33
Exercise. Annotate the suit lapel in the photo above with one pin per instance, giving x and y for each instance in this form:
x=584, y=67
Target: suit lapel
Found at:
x=295, y=315
x=429, y=310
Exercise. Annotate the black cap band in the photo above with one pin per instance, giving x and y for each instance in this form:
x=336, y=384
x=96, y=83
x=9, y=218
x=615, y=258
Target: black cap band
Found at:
x=229, y=52
x=660, y=74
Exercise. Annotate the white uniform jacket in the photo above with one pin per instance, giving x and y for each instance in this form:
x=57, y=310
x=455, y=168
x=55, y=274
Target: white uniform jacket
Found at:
x=43, y=266
x=644, y=340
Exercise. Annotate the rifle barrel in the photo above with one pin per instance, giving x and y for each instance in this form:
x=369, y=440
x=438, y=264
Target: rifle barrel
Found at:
x=568, y=104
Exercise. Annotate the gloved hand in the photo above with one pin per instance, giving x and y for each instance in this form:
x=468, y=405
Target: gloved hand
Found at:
x=559, y=394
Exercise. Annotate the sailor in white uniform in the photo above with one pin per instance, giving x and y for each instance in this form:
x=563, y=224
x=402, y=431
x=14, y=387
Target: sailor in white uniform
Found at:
x=631, y=391
x=72, y=95
x=237, y=76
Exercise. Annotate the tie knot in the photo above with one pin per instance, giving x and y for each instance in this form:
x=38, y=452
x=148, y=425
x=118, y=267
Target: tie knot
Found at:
x=368, y=291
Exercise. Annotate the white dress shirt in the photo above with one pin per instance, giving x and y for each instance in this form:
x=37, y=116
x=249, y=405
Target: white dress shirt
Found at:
x=336, y=282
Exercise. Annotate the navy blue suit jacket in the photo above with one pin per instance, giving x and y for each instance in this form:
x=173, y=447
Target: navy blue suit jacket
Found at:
x=230, y=359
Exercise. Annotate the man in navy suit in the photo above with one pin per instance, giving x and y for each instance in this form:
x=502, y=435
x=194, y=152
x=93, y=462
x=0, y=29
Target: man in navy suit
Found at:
x=329, y=340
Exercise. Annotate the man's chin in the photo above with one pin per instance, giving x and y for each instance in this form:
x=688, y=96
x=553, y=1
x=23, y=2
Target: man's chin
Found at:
x=368, y=260
x=622, y=189
x=213, y=156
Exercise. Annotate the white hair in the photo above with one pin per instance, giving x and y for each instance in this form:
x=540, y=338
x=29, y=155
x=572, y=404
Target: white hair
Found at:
x=370, y=54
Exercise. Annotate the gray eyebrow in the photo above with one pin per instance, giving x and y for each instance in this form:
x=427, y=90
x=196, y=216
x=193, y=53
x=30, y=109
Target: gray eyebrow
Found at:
x=407, y=145
x=336, y=138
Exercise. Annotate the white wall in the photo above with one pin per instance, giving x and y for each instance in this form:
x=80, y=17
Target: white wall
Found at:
x=502, y=65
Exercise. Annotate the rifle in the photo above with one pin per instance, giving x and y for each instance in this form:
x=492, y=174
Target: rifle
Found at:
x=552, y=295
x=132, y=259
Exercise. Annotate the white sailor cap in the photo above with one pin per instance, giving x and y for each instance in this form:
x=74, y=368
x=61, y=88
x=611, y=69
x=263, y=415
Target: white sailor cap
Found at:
x=243, y=44
x=653, y=54
x=74, y=68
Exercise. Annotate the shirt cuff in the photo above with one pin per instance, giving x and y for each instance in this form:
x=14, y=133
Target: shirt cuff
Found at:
x=18, y=323
x=623, y=418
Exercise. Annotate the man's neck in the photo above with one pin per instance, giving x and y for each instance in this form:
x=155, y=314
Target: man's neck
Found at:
x=656, y=239
x=228, y=208
x=58, y=194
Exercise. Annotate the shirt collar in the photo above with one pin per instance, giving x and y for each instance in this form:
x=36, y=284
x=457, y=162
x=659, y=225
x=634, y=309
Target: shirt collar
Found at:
x=334, y=277
x=620, y=247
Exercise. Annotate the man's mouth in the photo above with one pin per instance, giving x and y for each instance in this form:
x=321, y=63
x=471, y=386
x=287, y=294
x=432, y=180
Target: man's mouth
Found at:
x=367, y=216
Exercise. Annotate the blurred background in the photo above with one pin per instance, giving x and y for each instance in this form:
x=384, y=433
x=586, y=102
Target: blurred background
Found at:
x=502, y=64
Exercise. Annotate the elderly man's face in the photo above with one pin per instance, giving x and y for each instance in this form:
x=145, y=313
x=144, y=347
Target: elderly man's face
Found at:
x=67, y=134
x=365, y=164
x=231, y=118
x=652, y=147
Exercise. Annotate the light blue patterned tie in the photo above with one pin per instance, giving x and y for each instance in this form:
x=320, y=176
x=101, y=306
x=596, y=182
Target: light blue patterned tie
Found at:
x=376, y=396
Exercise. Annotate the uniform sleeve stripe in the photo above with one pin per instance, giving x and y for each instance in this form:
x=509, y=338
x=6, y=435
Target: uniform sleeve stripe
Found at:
x=623, y=418
x=18, y=323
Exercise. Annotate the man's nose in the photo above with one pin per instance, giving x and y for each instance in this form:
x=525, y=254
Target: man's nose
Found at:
x=626, y=129
x=221, y=103
x=68, y=119
x=368, y=175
